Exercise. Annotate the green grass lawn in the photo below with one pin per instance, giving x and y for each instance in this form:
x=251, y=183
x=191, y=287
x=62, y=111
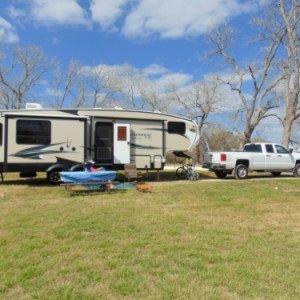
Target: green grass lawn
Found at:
x=213, y=240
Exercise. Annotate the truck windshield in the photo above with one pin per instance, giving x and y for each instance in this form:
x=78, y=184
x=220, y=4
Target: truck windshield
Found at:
x=252, y=148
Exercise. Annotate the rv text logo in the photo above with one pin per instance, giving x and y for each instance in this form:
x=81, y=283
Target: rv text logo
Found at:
x=147, y=136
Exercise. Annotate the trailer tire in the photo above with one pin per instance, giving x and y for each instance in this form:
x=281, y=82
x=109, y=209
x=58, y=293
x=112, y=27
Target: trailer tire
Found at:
x=297, y=170
x=276, y=174
x=241, y=172
x=221, y=174
x=53, y=176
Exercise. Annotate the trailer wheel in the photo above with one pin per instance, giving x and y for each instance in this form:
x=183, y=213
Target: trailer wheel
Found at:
x=241, y=172
x=53, y=176
x=221, y=174
x=297, y=170
x=276, y=173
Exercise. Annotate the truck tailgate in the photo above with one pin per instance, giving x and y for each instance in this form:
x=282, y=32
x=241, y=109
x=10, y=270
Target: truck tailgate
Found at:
x=212, y=158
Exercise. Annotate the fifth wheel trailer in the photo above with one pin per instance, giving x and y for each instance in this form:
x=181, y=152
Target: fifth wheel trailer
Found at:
x=44, y=140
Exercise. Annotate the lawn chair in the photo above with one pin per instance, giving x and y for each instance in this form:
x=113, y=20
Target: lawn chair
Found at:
x=131, y=172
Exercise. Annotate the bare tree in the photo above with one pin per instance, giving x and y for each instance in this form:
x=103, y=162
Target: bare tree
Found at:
x=102, y=86
x=127, y=85
x=20, y=73
x=220, y=139
x=290, y=14
x=153, y=96
x=259, y=104
x=65, y=84
x=199, y=100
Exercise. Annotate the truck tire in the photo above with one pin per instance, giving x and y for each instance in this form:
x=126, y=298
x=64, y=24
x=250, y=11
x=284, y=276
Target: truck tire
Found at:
x=276, y=173
x=241, y=172
x=297, y=170
x=221, y=174
x=53, y=176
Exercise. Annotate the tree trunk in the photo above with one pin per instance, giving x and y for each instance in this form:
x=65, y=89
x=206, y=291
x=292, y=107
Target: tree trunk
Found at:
x=287, y=131
x=288, y=121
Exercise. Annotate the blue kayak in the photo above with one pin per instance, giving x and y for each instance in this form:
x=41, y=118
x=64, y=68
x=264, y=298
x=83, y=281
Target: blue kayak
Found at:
x=83, y=176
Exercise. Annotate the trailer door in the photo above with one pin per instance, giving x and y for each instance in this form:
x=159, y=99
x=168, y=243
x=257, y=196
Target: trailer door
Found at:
x=104, y=132
x=121, y=143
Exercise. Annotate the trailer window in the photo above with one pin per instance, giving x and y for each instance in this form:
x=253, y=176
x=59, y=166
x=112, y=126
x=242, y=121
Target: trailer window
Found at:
x=34, y=132
x=122, y=133
x=176, y=127
x=252, y=148
x=1, y=128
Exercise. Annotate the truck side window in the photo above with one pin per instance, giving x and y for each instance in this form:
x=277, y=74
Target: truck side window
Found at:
x=1, y=134
x=270, y=148
x=176, y=127
x=281, y=149
x=252, y=148
x=36, y=132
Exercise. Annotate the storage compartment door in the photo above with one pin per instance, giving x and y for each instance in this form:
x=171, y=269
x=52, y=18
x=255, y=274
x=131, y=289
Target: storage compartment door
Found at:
x=121, y=143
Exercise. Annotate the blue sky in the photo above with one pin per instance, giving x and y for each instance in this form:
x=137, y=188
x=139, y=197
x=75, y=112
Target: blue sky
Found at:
x=169, y=33
x=165, y=38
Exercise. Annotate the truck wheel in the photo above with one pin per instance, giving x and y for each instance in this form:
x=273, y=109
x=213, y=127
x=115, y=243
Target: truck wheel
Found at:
x=53, y=176
x=297, y=170
x=276, y=173
x=221, y=174
x=241, y=172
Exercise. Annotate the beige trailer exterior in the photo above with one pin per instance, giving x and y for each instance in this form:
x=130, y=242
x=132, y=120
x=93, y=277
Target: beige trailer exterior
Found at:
x=54, y=140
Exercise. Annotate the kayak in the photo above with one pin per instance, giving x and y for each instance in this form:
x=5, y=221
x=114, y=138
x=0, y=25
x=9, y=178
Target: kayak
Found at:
x=82, y=176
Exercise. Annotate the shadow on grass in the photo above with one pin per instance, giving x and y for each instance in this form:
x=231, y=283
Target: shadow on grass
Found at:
x=152, y=176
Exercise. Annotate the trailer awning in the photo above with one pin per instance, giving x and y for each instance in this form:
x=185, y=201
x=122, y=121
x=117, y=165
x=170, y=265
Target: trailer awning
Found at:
x=43, y=116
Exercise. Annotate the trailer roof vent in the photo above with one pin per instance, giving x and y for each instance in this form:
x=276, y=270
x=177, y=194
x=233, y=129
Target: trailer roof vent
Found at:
x=33, y=106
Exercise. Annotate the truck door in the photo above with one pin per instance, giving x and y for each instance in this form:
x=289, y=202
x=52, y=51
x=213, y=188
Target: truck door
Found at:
x=271, y=158
x=285, y=160
x=258, y=157
x=121, y=143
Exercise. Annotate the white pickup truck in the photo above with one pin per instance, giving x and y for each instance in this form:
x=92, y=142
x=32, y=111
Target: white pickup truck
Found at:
x=261, y=157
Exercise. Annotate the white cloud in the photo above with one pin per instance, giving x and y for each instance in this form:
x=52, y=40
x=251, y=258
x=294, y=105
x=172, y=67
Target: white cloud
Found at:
x=57, y=12
x=107, y=12
x=15, y=13
x=154, y=70
x=175, y=79
x=8, y=33
x=154, y=75
x=53, y=92
x=180, y=18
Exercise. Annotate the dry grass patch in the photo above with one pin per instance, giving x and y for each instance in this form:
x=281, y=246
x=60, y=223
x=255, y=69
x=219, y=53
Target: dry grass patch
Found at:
x=230, y=240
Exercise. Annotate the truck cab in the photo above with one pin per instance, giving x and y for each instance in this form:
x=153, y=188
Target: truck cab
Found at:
x=273, y=156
